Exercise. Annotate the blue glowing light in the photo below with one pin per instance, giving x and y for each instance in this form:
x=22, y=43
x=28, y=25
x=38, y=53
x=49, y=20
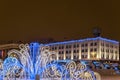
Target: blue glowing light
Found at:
x=87, y=39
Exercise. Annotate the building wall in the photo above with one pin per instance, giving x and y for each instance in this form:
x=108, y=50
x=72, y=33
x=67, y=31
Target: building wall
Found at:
x=87, y=49
x=4, y=48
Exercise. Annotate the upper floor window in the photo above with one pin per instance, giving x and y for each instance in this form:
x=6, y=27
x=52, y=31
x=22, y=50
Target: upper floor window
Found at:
x=82, y=50
x=82, y=45
x=95, y=49
x=74, y=51
x=66, y=46
x=107, y=45
x=91, y=44
x=77, y=45
x=66, y=52
x=95, y=44
x=74, y=46
x=69, y=46
x=86, y=45
x=91, y=50
x=62, y=47
x=86, y=50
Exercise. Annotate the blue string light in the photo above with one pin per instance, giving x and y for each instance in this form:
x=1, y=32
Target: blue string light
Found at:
x=83, y=40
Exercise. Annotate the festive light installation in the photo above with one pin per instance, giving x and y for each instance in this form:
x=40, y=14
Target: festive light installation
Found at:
x=36, y=59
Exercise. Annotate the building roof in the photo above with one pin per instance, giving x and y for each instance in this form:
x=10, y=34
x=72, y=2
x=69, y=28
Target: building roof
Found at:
x=86, y=39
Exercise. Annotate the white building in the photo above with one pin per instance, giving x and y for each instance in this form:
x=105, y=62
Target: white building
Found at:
x=97, y=48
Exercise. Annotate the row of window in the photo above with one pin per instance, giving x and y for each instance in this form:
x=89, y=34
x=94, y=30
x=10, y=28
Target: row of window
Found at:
x=74, y=57
x=108, y=57
x=69, y=51
x=74, y=46
x=77, y=51
x=108, y=51
x=108, y=45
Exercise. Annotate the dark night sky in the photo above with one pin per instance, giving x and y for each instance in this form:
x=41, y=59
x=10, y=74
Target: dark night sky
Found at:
x=32, y=20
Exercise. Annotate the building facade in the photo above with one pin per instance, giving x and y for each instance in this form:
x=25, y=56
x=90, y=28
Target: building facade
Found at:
x=97, y=48
x=4, y=48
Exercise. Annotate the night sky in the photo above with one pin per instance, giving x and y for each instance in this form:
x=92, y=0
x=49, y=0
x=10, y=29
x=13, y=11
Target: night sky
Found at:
x=30, y=20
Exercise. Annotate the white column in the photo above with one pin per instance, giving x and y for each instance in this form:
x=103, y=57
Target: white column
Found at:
x=99, y=49
x=72, y=52
x=88, y=51
x=64, y=55
x=79, y=51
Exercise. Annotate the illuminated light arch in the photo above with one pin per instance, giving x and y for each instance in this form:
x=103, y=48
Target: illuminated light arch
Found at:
x=45, y=65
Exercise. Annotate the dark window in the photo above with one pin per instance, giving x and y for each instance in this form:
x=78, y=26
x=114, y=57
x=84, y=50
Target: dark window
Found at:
x=66, y=57
x=52, y=48
x=107, y=50
x=82, y=50
x=82, y=56
x=95, y=44
x=74, y=57
x=111, y=46
x=77, y=45
x=77, y=51
x=62, y=52
x=86, y=45
x=86, y=50
x=59, y=52
x=107, y=45
x=69, y=46
x=66, y=46
x=59, y=47
x=60, y=58
x=102, y=50
x=95, y=49
x=82, y=45
x=55, y=48
x=91, y=44
x=74, y=51
x=111, y=51
x=62, y=47
x=66, y=52
x=91, y=50
x=69, y=51
x=74, y=46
